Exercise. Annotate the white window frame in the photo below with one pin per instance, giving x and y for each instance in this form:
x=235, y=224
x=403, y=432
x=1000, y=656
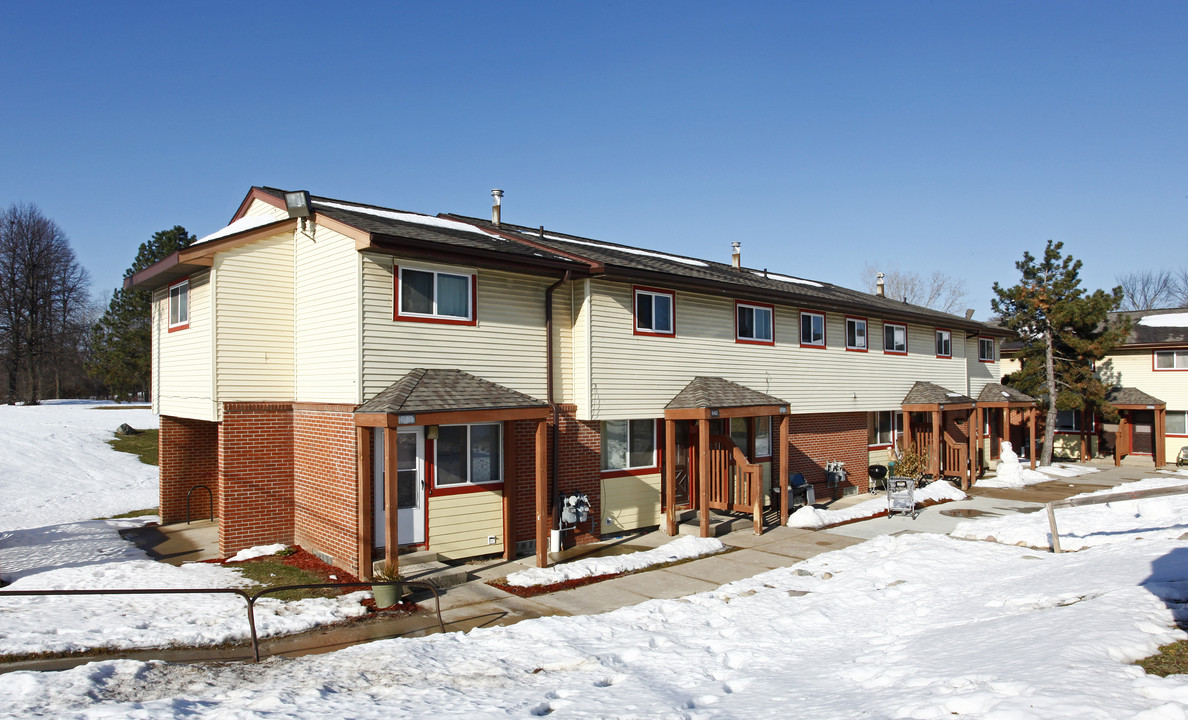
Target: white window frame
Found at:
x=945, y=337
x=627, y=466
x=1183, y=414
x=893, y=350
x=469, y=457
x=176, y=293
x=894, y=432
x=653, y=293
x=753, y=308
x=1179, y=360
x=824, y=339
x=860, y=334
x=982, y=345
x=401, y=312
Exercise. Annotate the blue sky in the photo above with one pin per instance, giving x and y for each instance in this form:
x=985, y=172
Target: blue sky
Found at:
x=945, y=136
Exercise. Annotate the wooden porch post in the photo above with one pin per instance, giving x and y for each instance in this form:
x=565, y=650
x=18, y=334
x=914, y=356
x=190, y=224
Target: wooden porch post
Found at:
x=670, y=476
x=1119, y=436
x=908, y=438
x=972, y=440
x=785, y=423
x=1160, y=437
x=934, y=463
x=391, y=514
x=363, y=475
x=1084, y=435
x=703, y=473
x=510, y=463
x=1031, y=450
x=542, y=493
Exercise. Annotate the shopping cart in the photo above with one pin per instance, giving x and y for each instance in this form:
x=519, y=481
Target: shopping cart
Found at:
x=901, y=496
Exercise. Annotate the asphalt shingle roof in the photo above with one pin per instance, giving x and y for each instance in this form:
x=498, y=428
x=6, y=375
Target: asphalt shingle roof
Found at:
x=714, y=392
x=1131, y=396
x=995, y=392
x=926, y=393
x=424, y=390
x=1144, y=334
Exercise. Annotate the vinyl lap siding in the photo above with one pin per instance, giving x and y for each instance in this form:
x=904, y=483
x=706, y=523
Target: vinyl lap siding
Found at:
x=254, y=326
x=182, y=369
x=459, y=525
x=507, y=346
x=261, y=208
x=1136, y=369
x=636, y=376
x=631, y=502
x=980, y=373
x=327, y=318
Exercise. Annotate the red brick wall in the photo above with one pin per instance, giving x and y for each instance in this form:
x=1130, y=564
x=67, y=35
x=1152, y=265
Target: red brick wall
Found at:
x=817, y=438
x=188, y=452
x=255, y=475
x=325, y=495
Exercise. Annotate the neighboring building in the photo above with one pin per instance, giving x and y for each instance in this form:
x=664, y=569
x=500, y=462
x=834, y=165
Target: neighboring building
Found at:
x=362, y=373
x=1148, y=374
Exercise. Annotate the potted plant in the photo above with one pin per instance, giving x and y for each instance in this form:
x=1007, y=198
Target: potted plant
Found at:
x=387, y=595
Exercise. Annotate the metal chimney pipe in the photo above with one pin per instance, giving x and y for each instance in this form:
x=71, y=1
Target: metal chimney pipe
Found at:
x=879, y=287
x=736, y=255
x=496, y=203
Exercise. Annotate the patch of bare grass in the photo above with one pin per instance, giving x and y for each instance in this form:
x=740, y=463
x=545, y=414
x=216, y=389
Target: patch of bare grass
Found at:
x=1170, y=660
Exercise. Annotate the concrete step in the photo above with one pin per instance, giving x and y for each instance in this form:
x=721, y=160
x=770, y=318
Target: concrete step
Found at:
x=718, y=525
x=435, y=573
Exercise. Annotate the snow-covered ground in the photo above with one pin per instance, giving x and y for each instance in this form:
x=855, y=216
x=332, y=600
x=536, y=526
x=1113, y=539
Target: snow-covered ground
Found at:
x=912, y=626
x=679, y=549
x=811, y=518
x=55, y=464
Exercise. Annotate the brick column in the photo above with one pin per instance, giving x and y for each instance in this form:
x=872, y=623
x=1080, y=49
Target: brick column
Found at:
x=188, y=457
x=325, y=488
x=255, y=475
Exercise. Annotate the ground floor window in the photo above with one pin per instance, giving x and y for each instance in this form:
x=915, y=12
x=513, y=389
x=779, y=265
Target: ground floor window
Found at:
x=884, y=428
x=1177, y=422
x=745, y=430
x=468, y=455
x=628, y=444
x=1068, y=421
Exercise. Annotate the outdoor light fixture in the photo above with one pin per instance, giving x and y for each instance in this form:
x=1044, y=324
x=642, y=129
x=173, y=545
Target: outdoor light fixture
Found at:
x=297, y=203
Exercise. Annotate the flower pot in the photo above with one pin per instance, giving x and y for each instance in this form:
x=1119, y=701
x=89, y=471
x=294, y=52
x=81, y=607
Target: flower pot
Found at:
x=387, y=595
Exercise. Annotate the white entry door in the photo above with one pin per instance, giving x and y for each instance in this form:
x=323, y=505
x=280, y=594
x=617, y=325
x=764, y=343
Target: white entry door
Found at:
x=410, y=486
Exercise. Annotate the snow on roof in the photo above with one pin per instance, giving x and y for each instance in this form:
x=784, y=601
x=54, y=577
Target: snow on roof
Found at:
x=1165, y=320
x=249, y=222
x=415, y=218
x=786, y=278
x=630, y=250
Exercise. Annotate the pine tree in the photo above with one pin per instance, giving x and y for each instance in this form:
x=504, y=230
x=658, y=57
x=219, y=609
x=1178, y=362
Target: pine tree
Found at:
x=1064, y=332
x=121, y=343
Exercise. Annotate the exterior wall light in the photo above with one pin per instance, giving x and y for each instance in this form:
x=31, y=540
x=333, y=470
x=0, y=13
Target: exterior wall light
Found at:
x=297, y=203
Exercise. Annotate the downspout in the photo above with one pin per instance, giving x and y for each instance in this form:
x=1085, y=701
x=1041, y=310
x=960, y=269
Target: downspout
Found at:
x=554, y=440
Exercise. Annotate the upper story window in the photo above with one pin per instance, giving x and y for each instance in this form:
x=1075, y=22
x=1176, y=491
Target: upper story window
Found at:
x=1177, y=422
x=655, y=312
x=856, y=334
x=812, y=329
x=895, y=339
x=468, y=455
x=754, y=323
x=179, y=305
x=628, y=444
x=1171, y=359
x=435, y=296
x=986, y=349
x=944, y=343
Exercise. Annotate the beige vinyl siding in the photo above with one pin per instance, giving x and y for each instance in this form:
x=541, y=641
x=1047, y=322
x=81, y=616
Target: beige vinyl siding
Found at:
x=980, y=373
x=326, y=307
x=563, y=355
x=636, y=376
x=507, y=346
x=1135, y=368
x=580, y=394
x=459, y=525
x=254, y=321
x=261, y=208
x=183, y=384
x=631, y=502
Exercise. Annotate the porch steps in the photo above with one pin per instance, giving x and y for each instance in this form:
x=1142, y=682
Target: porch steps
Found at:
x=425, y=567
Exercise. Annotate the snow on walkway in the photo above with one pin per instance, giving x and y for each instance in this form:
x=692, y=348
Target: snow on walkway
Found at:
x=1091, y=525
x=57, y=467
x=681, y=549
x=914, y=626
x=811, y=518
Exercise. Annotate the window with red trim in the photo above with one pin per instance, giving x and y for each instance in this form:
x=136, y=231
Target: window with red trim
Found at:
x=856, y=334
x=655, y=312
x=424, y=295
x=812, y=329
x=467, y=455
x=179, y=305
x=1171, y=360
x=944, y=343
x=754, y=323
x=628, y=445
x=894, y=339
x=986, y=349
x=1177, y=423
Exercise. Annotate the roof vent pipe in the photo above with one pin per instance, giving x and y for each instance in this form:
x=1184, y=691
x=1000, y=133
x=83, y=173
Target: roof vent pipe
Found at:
x=496, y=202
x=879, y=286
x=969, y=314
x=736, y=255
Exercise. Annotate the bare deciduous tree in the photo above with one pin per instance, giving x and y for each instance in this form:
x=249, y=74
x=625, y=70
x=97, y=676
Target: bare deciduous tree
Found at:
x=1151, y=289
x=43, y=301
x=938, y=291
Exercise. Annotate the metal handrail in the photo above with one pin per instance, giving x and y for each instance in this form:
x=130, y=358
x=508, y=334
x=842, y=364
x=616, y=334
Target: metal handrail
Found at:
x=250, y=598
x=209, y=499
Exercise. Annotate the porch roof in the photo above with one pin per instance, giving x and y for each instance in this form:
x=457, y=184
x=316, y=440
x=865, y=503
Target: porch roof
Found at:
x=719, y=397
x=432, y=396
x=930, y=396
x=998, y=394
x=1130, y=398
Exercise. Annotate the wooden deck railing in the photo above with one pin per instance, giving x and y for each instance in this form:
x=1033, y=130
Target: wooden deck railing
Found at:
x=735, y=483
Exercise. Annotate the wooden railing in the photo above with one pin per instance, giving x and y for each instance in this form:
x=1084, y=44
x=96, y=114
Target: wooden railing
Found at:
x=735, y=483
x=956, y=459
